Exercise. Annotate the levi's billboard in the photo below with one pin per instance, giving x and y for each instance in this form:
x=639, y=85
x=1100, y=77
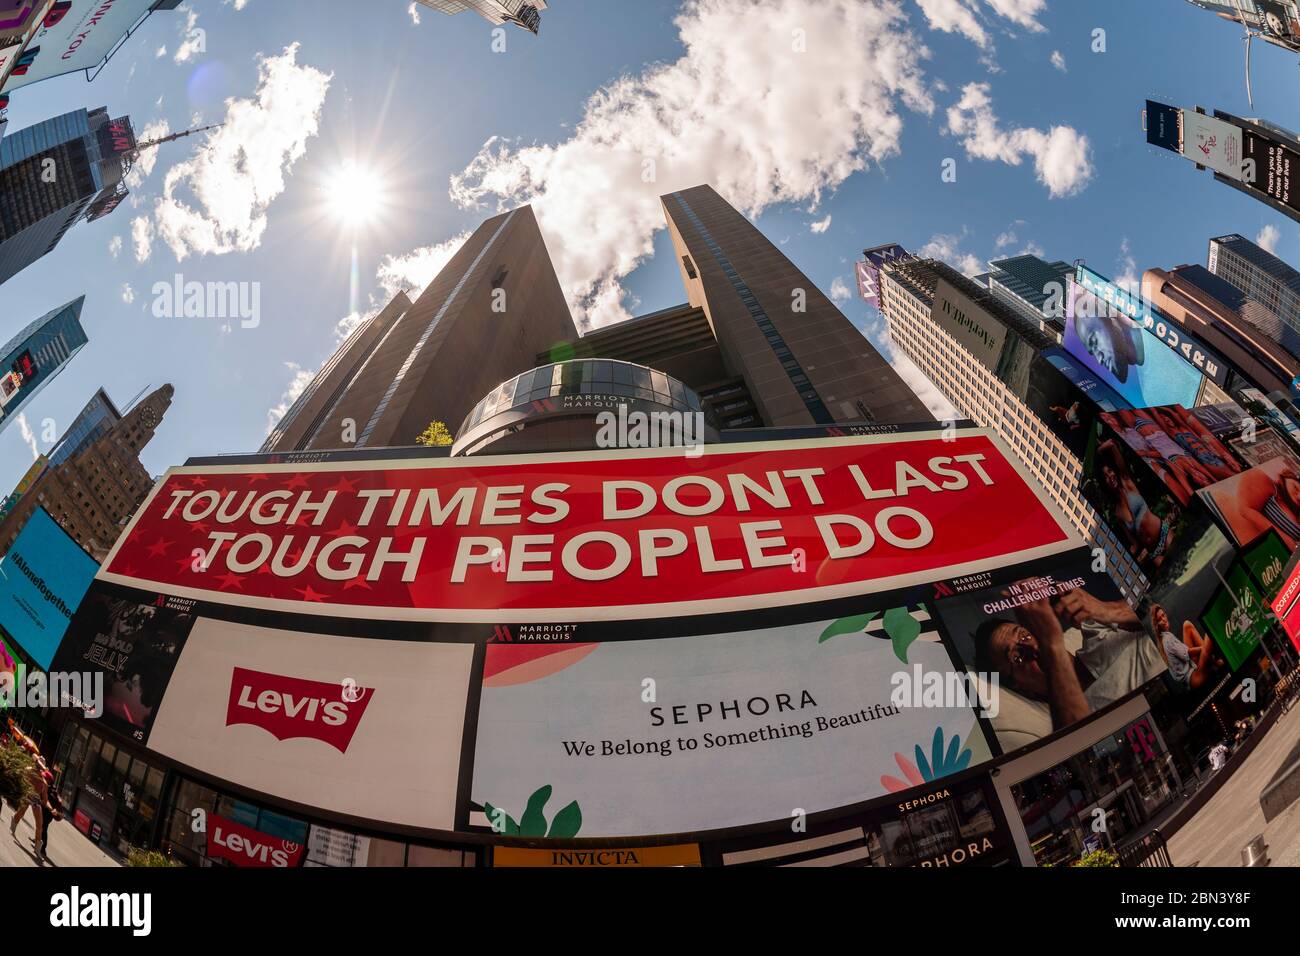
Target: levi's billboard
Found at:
x=594, y=535
x=360, y=726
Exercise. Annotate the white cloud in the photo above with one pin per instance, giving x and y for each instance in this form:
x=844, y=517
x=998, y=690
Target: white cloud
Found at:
x=1006, y=239
x=193, y=40
x=822, y=226
x=741, y=109
x=297, y=385
x=242, y=167
x=1128, y=278
x=1062, y=155
x=1022, y=12
x=414, y=11
x=840, y=291
x=947, y=247
x=142, y=233
x=1058, y=61
x=415, y=270
x=1268, y=238
x=28, y=435
x=115, y=246
x=128, y=294
x=162, y=52
x=237, y=4
x=955, y=16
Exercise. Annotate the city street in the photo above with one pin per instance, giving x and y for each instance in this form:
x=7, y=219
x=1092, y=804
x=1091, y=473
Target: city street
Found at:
x=68, y=848
x=1232, y=818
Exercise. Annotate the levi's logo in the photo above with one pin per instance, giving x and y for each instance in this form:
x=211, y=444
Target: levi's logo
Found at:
x=291, y=707
x=244, y=846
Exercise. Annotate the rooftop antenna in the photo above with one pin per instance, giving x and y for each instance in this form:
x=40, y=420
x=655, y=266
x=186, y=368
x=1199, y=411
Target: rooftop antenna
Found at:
x=1250, y=35
x=134, y=154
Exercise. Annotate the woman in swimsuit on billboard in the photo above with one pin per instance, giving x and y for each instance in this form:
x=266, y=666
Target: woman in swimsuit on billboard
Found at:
x=1148, y=535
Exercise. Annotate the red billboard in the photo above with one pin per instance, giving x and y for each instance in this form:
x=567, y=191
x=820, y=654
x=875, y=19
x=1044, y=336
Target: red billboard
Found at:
x=1287, y=607
x=594, y=535
x=244, y=846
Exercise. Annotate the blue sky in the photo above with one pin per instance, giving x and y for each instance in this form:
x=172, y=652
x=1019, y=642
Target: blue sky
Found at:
x=852, y=128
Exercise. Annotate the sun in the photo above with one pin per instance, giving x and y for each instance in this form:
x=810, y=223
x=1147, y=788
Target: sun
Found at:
x=355, y=194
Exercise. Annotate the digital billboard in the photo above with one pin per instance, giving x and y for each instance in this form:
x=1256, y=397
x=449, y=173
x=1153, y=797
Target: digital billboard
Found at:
x=948, y=825
x=366, y=727
x=1235, y=618
x=1061, y=405
x=1063, y=641
x=78, y=40
x=986, y=337
x=1263, y=498
x=1175, y=445
x=1172, y=610
x=1141, y=510
x=598, y=535
x=13, y=674
x=135, y=646
x=1164, y=126
x=1272, y=167
x=1098, y=392
x=42, y=580
x=747, y=725
x=1267, y=559
x=1286, y=606
x=869, y=269
x=1122, y=333
x=1213, y=143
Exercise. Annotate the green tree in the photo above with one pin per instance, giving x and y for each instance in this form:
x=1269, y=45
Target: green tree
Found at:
x=435, y=436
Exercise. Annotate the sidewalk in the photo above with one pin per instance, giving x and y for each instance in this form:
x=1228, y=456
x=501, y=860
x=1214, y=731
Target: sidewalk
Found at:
x=68, y=848
x=1232, y=817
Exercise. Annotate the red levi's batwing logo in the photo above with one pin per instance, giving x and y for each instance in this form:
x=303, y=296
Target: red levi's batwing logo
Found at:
x=291, y=707
x=243, y=846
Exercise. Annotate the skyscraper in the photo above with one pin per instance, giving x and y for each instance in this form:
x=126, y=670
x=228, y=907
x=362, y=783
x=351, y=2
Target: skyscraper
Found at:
x=1034, y=286
x=802, y=361
x=984, y=355
x=1264, y=279
x=93, y=492
x=91, y=424
x=486, y=316
x=54, y=174
x=1244, y=333
x=524, y=13
x=38, y=353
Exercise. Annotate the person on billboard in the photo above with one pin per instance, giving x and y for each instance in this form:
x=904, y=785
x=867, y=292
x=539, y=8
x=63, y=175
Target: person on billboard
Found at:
x=1261, y=502
x=1124, y=423
x=1148, y=536
x=1113, y=341
x=1190, y=657
x=1069, y=416
x=1186, y=469
x=1189, y=432
x=1068, y=656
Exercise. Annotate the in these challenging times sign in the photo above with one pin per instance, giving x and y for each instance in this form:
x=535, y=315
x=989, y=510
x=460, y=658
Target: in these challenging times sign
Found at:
x=590, y=536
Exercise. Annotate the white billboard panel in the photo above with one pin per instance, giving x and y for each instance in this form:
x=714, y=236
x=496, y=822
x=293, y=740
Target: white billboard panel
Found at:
x=79, y=40
x=362, y=727
x=1213, y=143
x=747, y=725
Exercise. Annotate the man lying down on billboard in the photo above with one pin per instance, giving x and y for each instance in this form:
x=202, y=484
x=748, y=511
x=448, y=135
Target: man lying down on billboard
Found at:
x=1063, y=645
